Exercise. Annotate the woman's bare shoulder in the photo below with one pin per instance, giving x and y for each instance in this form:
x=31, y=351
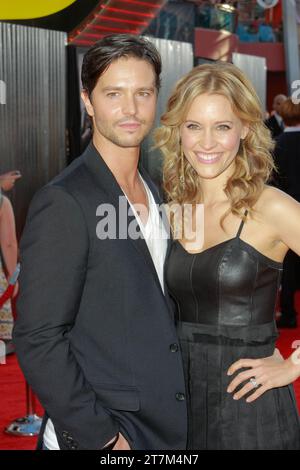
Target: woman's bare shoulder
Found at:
x=274, y=203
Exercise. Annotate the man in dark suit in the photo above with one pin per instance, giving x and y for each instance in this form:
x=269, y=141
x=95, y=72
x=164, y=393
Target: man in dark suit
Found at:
x=275, y=122
x=287, y=178
x=95, y=334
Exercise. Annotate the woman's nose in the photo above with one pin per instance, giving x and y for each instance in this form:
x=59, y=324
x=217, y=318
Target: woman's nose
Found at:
x=207, y=140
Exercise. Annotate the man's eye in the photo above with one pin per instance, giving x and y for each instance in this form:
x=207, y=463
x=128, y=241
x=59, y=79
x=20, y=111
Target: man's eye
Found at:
x=113, y=94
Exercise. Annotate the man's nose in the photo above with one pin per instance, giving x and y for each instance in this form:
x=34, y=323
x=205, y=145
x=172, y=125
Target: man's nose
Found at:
x=129, y=105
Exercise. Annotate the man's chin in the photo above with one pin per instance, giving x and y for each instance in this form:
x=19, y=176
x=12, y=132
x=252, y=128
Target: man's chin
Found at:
x=129, y=143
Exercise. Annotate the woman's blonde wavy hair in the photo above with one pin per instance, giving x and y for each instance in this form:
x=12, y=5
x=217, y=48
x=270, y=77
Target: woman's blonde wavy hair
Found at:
x=254, y=163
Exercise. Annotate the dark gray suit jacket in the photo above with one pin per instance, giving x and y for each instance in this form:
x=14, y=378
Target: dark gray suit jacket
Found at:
x=95, y=334
x=287, y=160
x=274, y=127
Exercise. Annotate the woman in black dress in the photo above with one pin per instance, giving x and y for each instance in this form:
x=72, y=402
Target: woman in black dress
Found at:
x=217, y=163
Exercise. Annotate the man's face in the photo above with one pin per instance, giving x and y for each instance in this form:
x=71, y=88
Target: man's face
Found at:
x=123, y=102
x=278, y=100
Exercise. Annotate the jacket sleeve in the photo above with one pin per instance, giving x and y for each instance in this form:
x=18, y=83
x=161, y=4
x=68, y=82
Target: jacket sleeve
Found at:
x=54, y=253
x=280, y=175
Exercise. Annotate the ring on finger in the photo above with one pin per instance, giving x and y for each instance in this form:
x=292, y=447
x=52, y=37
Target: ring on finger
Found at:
x=253, y=382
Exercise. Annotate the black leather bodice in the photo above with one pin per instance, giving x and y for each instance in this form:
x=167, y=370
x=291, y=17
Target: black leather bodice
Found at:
x=228, y=284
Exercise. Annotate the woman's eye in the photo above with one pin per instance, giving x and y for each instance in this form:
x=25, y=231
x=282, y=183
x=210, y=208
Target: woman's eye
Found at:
x=192, y=126
x=223, y=127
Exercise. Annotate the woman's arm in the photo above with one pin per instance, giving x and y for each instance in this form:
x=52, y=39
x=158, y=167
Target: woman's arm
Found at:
x=283, y=214
x=8, y=239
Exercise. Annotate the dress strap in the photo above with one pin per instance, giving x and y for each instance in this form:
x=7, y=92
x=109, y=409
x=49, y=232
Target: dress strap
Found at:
x=241, y=224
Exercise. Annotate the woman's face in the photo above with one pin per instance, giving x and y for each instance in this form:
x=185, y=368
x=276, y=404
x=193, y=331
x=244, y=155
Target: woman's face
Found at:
x=211, y=135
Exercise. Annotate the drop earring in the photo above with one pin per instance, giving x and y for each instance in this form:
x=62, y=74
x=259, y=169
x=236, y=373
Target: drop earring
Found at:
x=182, y=176
x=245, y=159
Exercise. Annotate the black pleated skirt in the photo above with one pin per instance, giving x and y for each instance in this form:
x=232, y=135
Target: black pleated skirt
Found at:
x=216, y=421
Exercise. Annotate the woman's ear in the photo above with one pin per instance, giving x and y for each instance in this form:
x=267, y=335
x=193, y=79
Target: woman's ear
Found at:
x=244, y=132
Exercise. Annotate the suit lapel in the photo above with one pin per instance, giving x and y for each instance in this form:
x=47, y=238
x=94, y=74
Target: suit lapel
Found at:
x=105, y=179
x=163, y=215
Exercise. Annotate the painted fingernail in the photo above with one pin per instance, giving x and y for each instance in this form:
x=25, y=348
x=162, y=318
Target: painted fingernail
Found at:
x=229, y=373
x=229, y=390
x=235, y=397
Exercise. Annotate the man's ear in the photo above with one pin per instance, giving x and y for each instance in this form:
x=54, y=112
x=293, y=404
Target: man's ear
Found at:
x=87, y=102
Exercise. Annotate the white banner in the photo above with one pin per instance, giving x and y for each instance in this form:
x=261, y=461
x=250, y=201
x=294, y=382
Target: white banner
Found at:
x=297, y=2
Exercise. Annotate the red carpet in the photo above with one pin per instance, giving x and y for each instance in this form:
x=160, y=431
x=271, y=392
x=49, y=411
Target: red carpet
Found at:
x=12, y=391
x=13, y=404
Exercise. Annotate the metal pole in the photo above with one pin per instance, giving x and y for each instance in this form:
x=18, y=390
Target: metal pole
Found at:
x=30, y=424
x=291, y=42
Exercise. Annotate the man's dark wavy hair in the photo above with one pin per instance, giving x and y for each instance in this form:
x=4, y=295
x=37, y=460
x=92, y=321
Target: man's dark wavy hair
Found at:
x=113, y=47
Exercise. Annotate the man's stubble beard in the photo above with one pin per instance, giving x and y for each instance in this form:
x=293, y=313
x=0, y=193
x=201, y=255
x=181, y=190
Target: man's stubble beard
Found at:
x=126, y=141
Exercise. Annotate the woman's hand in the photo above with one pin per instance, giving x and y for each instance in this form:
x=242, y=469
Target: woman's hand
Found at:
x=16, y=290
x=269, y=372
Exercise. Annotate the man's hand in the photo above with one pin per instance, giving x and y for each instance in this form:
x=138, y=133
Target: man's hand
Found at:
x=121, y=443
